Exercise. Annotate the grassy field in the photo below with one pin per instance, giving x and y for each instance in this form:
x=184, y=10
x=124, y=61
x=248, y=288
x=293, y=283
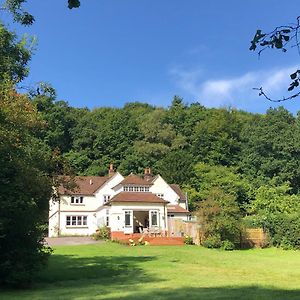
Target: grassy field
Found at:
x=113, y=271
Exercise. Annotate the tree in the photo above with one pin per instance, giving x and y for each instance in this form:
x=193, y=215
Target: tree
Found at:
x=15, y=7
x=281, y=38
x=208, y=178
x=26, y=188
x=219, y=219
x=270, y=149
x=14, y=56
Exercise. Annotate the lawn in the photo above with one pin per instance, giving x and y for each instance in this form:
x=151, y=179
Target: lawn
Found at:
x=113, y=271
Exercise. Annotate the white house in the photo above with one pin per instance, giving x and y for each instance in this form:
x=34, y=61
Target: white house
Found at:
x=127, y=205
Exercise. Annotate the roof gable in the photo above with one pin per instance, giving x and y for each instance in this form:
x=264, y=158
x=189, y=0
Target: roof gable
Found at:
x=83, y=185
x=178, y=191
x=134, y=179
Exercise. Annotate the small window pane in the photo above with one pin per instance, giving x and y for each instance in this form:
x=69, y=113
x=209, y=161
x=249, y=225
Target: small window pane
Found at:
x=74, y=220
x=72, y=199
x=107, y=221
x=68, y=220
x=127, y=218
x=154, y=218
x=79, y=220
x=84, y=222
x=81, y=200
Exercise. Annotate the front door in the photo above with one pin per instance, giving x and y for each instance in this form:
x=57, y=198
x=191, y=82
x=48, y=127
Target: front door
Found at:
x=128, y=221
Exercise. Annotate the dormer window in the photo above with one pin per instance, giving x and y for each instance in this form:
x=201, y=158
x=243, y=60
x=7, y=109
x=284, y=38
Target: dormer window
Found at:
x=135, y=188
x=76, y=200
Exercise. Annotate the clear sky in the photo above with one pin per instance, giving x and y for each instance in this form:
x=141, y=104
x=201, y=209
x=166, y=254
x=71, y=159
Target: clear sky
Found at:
x=109, y=52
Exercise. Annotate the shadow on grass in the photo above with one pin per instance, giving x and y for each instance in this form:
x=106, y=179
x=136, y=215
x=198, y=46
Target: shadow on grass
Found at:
x=107, y=270
x=212, y=293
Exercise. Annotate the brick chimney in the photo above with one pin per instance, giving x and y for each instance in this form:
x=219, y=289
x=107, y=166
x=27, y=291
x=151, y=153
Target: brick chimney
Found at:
x=111, y=171
x=147, y=174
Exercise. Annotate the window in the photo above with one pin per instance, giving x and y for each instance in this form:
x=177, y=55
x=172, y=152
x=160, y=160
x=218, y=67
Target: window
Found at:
x=125, y=188
x=131, y=189
x=154, y=218
x=146, y=188
x=160, y=195
x=107, y=221
x=171, y=216
x=76, y=220
x=127, y=218
x=141, y=188
x=136, y=188
x=106, y=198
x=76, y=200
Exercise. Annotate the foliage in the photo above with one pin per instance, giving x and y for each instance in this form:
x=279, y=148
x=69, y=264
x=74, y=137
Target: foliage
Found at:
x=279, y=38
x=14, y=56
x=219, y=218
x=208, y=177
x=227, y=245
x=102, y=233
x=15, y=7
x=277, y=211
x=188, y=240
x=285, y=230
x=25, y=163
x=212, y=241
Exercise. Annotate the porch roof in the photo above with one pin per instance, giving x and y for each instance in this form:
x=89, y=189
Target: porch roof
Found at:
x=137, y=197
x=177, y=209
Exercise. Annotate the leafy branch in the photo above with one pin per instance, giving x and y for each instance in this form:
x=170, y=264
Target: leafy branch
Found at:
x=280, y=38
x=15, y=7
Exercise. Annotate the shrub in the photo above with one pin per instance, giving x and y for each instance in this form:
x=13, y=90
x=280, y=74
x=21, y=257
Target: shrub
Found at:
x=213, y=241
x=103, y=233
x=285, y=230
x=188, y=240
x=227, y=245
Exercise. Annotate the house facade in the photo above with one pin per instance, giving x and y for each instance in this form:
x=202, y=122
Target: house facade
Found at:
x=127, y=205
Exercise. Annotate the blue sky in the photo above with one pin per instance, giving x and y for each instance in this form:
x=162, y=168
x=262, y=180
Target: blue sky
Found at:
x=109, y=52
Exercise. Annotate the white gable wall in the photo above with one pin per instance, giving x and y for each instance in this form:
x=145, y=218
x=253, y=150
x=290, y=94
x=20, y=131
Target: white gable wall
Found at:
x=107, y=188
x=160, y=186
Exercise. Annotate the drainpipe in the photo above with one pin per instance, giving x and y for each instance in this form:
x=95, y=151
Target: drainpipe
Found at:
x=165, y=217
x=58, y=231
x=186, y=204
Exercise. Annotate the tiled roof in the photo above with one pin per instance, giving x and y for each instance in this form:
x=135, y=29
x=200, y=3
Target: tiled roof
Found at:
x=81, y=185
x=134, y=179
x=178, y=191
x=176, y=209
x=137, y=197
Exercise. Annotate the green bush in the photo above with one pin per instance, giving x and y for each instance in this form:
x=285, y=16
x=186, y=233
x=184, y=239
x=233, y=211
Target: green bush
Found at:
x=103, y=233
x=188, y=240
x=213, y=241
x=284, y=230
x=227, y=245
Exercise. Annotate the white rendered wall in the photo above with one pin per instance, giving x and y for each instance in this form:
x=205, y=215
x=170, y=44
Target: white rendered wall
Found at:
x=160, y=186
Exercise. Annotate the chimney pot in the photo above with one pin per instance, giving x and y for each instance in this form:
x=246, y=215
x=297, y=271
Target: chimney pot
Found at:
x=111, y=170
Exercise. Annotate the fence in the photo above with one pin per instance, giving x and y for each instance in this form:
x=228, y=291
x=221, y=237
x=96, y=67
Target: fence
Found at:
x=251, y=237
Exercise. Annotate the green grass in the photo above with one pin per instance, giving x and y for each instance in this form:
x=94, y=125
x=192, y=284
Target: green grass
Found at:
x=113, y=271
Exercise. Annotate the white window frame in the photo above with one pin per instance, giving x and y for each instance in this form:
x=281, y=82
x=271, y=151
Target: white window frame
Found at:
x=152, y=212
x=106, y=198
x=76, y=221
x=76, y=200
x=146, y=188
x=160, y=195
